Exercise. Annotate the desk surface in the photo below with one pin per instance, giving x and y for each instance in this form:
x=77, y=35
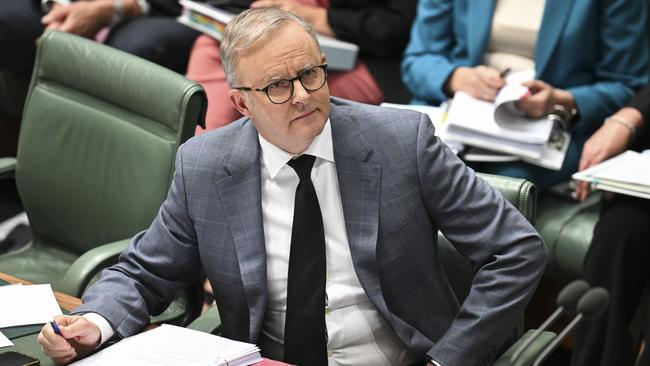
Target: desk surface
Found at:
x=28, y=344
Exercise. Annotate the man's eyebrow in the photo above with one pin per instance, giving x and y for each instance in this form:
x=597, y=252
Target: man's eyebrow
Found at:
x=274, y=78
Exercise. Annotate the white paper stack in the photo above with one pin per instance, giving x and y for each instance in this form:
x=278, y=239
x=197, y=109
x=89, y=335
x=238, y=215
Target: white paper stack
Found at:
x=212, y=21
x=626, y=173
x=169, y=345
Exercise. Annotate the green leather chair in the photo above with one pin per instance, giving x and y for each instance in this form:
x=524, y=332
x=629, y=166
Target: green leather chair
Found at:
x=95, y=158
x=519, y=192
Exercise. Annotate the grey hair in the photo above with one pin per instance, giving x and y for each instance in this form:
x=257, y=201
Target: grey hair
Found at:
x=251, y=26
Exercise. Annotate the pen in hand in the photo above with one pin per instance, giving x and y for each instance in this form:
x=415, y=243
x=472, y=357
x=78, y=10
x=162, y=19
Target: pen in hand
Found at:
x=55, y=327
x=504, y=73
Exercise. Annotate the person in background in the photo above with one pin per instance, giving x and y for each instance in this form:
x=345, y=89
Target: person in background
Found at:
x=619, y=252
x=145, y=28
x=315, y=220
x=587, y=55
x=379, y=27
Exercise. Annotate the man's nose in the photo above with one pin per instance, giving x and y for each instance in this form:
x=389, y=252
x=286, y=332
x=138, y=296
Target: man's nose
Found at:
x=300, y=94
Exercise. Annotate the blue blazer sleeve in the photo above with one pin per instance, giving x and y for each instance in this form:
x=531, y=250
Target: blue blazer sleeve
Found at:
x=426, y=64
x=620, y=67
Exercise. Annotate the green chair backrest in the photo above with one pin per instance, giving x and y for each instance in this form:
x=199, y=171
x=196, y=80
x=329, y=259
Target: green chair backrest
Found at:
x=98, y=138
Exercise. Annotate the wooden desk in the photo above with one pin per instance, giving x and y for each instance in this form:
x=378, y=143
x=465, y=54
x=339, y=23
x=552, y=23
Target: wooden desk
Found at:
x=66, y=302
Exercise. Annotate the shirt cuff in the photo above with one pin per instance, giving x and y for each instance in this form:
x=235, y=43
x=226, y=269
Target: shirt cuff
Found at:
x=105, y=328
x=436, y=363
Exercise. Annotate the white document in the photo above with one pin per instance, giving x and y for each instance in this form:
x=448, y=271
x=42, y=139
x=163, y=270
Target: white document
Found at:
x=27, y=305
x=169, y=345
x=627, y=173
x=4, y=341
x=500, y=119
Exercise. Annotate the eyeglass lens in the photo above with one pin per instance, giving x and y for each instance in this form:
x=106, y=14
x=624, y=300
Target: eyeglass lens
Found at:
x=311, y=79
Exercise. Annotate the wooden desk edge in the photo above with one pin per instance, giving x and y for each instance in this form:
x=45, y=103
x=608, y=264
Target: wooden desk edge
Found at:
x=65, y=301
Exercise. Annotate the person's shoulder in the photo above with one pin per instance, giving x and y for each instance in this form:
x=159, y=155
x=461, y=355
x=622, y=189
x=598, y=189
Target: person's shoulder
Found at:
x=373, y=116
x=214, y=146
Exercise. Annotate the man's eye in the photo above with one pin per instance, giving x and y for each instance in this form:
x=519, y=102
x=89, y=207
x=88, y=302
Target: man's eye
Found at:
x=308, y=72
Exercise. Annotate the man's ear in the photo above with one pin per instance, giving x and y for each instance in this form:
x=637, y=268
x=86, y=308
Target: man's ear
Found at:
x=239, y=100
x=323, y=58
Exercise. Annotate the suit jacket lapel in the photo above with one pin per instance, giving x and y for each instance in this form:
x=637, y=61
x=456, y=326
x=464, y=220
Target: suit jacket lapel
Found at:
x=556, y=14
x=479, y=25
x=359, y=183
x=241, y=194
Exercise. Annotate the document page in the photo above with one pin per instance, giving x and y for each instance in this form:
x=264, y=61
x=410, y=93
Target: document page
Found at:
x=4, y=341
x=170, y=345
x=25, y=305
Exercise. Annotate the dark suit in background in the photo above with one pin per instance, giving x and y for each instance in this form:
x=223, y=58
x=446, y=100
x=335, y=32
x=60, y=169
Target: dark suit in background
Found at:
x=618, y=260
x=155, y=36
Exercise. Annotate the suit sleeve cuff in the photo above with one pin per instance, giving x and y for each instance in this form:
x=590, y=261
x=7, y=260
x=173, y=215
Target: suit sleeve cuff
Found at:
x=105, y=328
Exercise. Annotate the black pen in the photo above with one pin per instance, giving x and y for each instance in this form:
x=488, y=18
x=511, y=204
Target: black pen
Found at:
x=504, y=73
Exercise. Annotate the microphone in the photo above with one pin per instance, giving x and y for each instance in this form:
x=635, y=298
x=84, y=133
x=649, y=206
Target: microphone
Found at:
x=590, y=306
x=567, y=300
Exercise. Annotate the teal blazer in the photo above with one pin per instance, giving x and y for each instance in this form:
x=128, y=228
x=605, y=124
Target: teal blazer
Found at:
x=597, y=50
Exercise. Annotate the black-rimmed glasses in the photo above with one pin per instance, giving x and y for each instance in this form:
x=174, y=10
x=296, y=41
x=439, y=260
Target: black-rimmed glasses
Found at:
x=281, y=91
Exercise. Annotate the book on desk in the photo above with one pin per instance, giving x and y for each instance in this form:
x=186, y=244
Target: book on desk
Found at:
x=211, y=21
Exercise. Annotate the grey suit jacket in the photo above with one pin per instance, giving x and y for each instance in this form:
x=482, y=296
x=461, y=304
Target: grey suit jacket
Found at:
x=399, y=185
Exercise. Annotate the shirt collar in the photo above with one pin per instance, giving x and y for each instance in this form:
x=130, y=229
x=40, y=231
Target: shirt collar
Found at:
x=274, y=158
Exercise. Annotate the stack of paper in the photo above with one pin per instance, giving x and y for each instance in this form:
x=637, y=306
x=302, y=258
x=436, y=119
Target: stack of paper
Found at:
x=627, y=173
x=172, y=345
x=212, y=21
x=500, y=127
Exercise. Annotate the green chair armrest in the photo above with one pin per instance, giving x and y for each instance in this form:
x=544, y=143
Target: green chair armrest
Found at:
x=520, y=192
x=81, y=272
x=531, y=353
x=7, y=167
x=209, y=322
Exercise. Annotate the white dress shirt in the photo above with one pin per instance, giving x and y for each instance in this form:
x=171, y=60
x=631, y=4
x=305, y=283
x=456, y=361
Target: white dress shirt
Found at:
x=357, y=334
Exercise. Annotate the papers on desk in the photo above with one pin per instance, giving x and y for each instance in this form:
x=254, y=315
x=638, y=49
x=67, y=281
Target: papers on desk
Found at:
x=212, y=21
x=25, y=305
x=626, y=173
x=172, y=345
x=4, y=341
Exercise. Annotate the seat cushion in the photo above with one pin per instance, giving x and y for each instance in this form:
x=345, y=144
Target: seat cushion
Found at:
x=51, y=262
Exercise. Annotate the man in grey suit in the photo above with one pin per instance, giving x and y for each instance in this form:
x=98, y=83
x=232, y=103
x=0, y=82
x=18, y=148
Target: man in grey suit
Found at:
x=384, y=185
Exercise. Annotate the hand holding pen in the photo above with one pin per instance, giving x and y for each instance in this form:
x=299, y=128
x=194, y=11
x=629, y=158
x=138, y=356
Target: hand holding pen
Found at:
x=69, y=337
x=480, y=82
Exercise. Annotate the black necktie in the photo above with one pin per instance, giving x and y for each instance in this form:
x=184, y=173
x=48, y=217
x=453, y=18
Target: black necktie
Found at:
x=305, y=336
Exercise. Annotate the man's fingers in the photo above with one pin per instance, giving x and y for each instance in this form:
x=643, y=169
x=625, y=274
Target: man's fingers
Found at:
x=53, y=26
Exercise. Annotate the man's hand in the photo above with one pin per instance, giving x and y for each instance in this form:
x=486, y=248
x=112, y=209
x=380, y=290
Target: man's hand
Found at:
x=78, y=338
x=83, y=18
x=315, y=15
x=481, y=82
x=610, y=140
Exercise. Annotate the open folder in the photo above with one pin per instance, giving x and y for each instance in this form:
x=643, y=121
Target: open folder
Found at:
x=626, y=173
x=169, y=345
